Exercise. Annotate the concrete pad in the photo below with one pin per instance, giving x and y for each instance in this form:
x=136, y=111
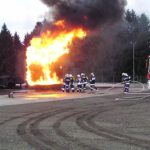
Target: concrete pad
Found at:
x=33, y=96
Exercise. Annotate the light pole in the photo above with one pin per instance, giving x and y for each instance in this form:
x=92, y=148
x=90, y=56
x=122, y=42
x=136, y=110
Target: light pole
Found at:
x=133, y=48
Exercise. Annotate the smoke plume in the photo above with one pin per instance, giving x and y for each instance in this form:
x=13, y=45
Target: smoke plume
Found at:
x=87, y=13
x=103, y=18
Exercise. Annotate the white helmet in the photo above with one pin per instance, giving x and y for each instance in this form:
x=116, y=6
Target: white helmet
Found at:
x=70, y=75
x=78, y=75
x=124, y=74
x=92, y=74
x=67, y=75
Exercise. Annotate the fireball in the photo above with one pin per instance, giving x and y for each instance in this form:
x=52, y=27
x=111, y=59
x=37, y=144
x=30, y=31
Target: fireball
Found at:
x=46, y=50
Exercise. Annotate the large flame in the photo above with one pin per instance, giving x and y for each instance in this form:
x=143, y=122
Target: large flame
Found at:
x=46, y=50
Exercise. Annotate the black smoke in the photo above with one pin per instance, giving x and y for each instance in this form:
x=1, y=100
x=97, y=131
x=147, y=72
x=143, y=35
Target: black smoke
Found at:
x=98, y=52
x=87, y=13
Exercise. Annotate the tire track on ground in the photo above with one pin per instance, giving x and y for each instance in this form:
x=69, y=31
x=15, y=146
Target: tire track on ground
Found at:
x=67, y=137
x=14, y=118
x=86, y=123
x=32, y=137
x=34, y=127
x=116, y=135
x=30, y=132
x=21, y=116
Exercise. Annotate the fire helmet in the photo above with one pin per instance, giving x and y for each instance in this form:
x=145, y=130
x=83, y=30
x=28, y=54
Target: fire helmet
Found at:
x=78, y=76
x=92, y=74
x=124, y=74
x=67, y=75
x=82, y=74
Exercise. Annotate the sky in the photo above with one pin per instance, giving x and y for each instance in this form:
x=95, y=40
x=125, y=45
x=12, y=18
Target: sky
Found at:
x=21, y=15
x=140, y=6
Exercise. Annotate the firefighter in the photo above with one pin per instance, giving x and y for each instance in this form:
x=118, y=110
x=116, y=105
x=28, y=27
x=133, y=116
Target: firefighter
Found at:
x=92, y=82
x=148, y=77
x=79, y=83
x=66, y=86
x=63, y=88
x=126, y=80
x=84, y=80
x=72, y=83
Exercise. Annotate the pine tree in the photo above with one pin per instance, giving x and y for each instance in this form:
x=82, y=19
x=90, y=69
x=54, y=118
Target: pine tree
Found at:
x=17, y=48
x=6, y=52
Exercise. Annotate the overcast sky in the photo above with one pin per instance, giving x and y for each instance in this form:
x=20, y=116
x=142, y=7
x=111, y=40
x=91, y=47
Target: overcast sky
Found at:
x=22, y=15
x=140, y=6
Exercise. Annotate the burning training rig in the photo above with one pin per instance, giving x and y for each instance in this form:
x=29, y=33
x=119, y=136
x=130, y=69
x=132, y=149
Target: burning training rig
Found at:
x=46, y=50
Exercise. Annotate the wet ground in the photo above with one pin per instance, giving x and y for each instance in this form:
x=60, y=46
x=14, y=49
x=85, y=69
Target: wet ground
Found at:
x=106, y=119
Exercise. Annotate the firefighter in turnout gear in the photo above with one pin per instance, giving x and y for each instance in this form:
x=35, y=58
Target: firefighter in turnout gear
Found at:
x=66, y=86
x=79, y=83
x=72, y=83
x=126, y=80
x=92, y=82
x=84, y=80
x=63, y=88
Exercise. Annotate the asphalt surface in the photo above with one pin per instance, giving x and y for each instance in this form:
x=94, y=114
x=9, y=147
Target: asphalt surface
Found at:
x=104, y=120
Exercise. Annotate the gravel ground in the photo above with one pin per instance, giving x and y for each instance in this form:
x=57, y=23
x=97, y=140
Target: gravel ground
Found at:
x=112, y=121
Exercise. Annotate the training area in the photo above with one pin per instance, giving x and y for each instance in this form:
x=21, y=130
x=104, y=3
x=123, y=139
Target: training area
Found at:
x=75, y=75
x=52, y=120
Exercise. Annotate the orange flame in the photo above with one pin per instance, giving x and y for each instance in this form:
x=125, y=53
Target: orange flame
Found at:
x=47, y=49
